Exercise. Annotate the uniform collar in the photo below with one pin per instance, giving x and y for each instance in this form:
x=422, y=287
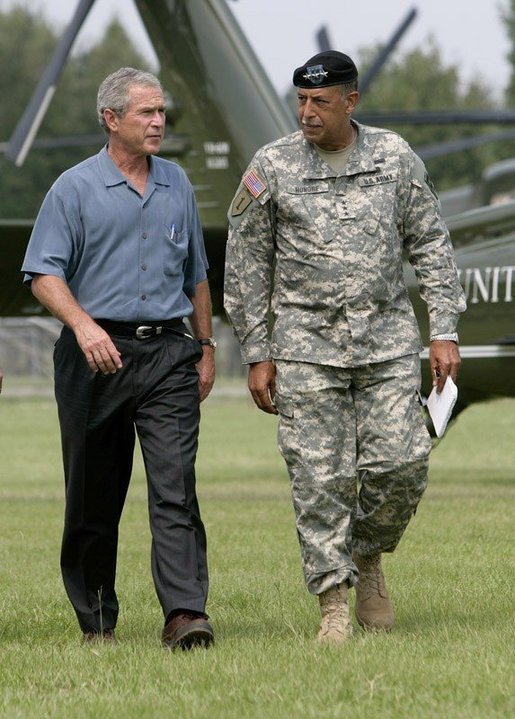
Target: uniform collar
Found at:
x=361, y=159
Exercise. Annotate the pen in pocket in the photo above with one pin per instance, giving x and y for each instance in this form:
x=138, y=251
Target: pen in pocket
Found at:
x=172, y=232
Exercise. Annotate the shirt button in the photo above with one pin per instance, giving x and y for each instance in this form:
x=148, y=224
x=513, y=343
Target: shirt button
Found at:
x=143, y=267
x=144, y=236
x=143, y=297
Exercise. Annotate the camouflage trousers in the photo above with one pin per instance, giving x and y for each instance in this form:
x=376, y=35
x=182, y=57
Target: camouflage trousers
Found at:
x=356, y=447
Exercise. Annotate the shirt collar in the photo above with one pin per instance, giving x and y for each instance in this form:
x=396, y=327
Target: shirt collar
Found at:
x=112, y=175
x=157, y=171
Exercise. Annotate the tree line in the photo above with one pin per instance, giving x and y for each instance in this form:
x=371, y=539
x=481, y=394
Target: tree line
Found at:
x=27, y=40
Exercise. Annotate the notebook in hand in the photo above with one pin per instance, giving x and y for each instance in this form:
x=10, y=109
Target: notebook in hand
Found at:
x=440, y=405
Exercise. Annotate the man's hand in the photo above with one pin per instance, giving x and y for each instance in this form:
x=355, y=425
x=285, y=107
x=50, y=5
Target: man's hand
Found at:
x=98, y=348
x=444, y=360
x=206, y=371
x=262, y=385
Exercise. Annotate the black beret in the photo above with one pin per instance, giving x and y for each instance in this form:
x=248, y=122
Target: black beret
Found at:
x=326, y=69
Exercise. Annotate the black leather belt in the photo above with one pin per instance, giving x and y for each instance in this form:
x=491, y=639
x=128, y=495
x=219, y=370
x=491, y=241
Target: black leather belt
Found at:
x=143, y=331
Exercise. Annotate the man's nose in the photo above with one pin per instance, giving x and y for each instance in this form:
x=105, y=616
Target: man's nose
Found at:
x=308, y=108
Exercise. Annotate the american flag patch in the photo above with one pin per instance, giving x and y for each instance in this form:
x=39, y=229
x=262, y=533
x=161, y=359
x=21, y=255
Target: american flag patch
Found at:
x=254, y=184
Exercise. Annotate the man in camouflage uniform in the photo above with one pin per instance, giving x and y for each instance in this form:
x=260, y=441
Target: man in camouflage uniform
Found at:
x=316, y=295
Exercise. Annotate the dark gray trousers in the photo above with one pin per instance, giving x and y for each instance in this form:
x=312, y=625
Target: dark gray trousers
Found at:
x=156, y=395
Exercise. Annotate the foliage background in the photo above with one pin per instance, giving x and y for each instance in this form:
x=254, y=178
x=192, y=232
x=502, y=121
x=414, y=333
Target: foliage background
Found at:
x=72, y=110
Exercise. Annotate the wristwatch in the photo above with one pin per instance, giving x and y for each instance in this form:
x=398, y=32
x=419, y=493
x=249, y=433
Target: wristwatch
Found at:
x=449, y=336
x=208, y=341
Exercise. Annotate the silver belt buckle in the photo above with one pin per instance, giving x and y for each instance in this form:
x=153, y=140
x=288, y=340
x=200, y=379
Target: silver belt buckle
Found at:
x=141, y=332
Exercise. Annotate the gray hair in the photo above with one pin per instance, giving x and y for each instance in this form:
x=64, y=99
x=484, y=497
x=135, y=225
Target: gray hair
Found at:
x=349, y=87
x=113, y=93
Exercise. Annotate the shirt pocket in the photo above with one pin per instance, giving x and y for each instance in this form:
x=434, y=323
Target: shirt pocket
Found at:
x=175, y=255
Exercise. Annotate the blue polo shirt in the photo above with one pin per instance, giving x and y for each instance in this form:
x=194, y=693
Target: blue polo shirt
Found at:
x=125, y=257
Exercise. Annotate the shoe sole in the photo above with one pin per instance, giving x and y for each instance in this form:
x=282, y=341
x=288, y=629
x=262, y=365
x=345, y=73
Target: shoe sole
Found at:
x=189, y=639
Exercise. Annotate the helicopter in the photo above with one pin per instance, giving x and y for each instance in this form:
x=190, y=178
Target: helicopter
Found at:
x=224, y=107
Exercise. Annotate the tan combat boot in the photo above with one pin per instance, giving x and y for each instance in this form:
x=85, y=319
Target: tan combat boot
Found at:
x=335, y=626
x=374, y=610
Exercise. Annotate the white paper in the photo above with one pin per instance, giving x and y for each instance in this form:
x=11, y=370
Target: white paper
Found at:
x=440, y=405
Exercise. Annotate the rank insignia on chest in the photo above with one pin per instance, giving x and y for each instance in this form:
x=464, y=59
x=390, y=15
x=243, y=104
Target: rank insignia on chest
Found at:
x=254, y=183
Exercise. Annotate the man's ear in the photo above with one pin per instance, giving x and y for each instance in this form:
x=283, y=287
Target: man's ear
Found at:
x=352, y=101
x=111, y=119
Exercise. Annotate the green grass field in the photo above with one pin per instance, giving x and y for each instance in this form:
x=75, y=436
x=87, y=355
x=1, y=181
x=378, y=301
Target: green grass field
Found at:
x=451, y=655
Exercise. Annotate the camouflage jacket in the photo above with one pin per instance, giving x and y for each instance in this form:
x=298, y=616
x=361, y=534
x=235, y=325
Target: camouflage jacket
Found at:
x=314, y=268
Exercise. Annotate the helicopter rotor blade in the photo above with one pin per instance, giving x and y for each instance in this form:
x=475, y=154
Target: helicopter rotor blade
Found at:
x=440, y=149
x=439, y=117
x=385, y=52
x=324, y=44
x=26, y=129
x=323, y=41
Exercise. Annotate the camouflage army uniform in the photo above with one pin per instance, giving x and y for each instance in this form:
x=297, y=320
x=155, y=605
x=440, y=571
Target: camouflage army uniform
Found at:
x=314, y=281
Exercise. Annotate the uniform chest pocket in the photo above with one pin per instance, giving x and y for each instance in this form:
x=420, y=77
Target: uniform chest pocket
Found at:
x=308, y=215
x=368, y=205
x=175, y=244
x=376, y=195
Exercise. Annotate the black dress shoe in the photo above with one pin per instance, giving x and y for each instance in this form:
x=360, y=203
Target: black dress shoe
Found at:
x=186, y=631
x=106, y=635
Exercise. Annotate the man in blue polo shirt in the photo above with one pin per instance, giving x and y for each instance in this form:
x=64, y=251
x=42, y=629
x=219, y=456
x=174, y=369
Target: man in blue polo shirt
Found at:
x=117, y=255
